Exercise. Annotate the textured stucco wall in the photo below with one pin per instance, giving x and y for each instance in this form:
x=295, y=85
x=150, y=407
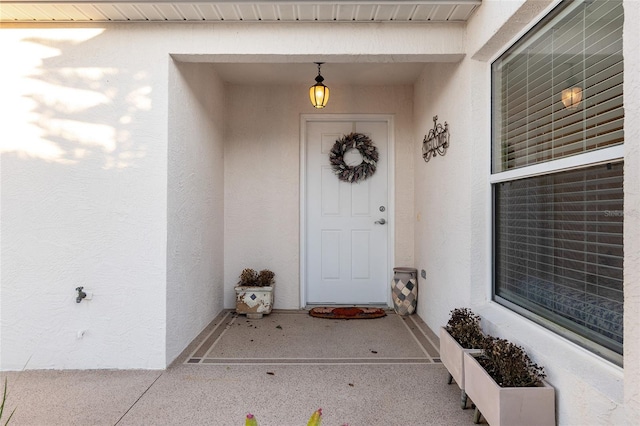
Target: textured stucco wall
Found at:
x=195, y=228
x=85, y=179
x=458, y=245
x=83, y=199
x=497, y=23
x=632, y=212
x=443, y=191
x=262, y=172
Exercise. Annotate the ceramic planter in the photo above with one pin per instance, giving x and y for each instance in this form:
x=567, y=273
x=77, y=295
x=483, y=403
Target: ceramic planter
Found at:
x=254, y=302
x=524, y=406
x=451, y=355
x=404, y=290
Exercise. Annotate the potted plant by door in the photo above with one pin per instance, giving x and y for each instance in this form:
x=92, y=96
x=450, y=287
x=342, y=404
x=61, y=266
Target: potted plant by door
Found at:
x=254, y=293
x=461, y=334
x=507, y=388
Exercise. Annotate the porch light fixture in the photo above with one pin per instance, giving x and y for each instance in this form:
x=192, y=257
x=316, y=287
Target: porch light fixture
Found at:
x=319, y=93
x=571, y=97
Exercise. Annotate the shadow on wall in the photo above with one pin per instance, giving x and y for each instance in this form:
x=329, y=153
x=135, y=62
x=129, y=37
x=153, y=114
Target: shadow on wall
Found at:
x=65, y=113
x=81, y=203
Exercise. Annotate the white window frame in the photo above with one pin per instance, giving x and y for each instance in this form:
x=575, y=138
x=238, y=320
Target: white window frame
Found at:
x=588, y=159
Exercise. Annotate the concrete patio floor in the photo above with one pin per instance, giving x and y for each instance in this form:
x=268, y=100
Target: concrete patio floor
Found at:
x=356, y=390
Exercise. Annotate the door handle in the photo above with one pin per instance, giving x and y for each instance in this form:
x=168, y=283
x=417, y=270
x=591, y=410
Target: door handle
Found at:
x=380, y=222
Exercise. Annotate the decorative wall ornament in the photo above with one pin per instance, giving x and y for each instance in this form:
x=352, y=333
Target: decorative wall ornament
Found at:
x=437, y=141
x=365, y=169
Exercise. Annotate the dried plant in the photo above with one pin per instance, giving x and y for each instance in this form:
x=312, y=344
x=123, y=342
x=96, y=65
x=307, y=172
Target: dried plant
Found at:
x=464, y=327
x=265, y=278
x=248, y=277
x=251, y=278
x=509, y=365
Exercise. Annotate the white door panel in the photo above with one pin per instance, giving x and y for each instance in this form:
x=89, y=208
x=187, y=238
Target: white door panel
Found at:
x=346, y=252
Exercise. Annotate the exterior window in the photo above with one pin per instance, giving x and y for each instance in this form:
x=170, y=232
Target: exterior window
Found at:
x=557, y=175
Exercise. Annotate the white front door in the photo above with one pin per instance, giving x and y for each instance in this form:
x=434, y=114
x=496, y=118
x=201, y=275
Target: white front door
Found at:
x=346, y=250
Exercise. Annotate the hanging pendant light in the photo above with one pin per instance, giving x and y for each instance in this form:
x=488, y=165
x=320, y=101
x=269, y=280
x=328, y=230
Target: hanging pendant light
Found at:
x=571, y=97
x=319, y=93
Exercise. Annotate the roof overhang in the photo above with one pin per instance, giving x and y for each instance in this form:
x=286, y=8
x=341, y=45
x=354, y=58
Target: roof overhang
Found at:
x=407, y=11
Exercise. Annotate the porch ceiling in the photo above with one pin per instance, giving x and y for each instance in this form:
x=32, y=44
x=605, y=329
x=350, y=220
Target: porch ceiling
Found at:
x=237, y=10
x=335, y=73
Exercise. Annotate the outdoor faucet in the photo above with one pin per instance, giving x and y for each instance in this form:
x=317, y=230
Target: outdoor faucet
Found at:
x=81, y=294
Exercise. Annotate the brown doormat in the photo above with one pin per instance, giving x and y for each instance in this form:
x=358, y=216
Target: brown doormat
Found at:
x=346, y=313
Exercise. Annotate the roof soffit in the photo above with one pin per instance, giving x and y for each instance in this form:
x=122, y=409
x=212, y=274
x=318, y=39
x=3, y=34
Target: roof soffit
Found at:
x=407, y=11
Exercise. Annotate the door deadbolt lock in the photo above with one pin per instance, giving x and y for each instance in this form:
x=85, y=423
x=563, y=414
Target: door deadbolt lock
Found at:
x=382, y=208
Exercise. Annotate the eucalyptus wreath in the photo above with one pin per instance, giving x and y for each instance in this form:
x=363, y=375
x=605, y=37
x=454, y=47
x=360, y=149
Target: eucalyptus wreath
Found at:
x=361, y=171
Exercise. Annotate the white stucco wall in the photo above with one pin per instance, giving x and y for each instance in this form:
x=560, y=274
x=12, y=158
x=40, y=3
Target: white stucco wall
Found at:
x=86, y=181
x=632, y=212
x=454, y=247
x=262, y=177
x=443, y=191
x=195, y=228
x=83, y=199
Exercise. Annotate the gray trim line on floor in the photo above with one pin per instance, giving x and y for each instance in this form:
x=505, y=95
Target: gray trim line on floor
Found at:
x=423, y=337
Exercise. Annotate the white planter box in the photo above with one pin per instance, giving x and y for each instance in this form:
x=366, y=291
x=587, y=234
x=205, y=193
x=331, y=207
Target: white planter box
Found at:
x=524, y=406
x=254, y=301
x=451, y=355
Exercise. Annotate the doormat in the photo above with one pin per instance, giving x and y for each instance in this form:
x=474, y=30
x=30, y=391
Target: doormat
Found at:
x=347, y=313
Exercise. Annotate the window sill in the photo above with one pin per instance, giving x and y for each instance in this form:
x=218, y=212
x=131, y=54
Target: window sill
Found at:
x=559, y=356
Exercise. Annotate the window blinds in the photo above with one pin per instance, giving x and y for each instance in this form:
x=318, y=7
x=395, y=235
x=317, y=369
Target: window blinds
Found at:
x=559, y=249
x=581, y=48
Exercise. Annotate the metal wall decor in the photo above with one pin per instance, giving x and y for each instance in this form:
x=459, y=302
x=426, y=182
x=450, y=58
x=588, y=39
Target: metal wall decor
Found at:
x=437, y=141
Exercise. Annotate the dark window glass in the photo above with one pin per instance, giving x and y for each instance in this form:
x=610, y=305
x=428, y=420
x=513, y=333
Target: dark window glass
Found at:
x=559, y=249
x=558, y=91
x=558, y=233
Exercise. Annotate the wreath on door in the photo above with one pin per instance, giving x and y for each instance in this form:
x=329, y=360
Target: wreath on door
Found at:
x=368, y=151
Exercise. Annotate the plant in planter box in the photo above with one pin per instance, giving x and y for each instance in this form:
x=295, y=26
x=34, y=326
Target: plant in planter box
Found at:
x=461, y=334
x=254, y=293
x=464, y=326
x=509, y=365
x=507, y=387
